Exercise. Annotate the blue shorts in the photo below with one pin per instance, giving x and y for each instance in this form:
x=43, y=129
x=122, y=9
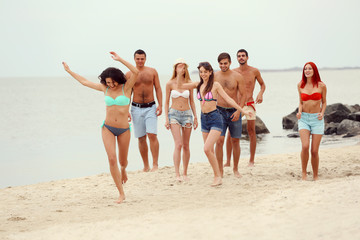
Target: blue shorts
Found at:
x=180, y=117
x=211, y=121
x=310, y=121
x=145, y=120
x=235, y=128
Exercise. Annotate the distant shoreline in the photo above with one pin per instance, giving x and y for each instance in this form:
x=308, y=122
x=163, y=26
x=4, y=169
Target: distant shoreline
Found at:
x=296, y=69
x=299, y=69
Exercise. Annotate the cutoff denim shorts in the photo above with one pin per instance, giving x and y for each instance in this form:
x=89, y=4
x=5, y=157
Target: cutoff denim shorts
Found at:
x=181, y=117
x=310, y=121
x=211, y=121
x=235, y=128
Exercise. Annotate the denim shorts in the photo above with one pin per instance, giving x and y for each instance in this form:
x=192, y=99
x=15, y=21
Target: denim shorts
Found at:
x=310, y=121
x=145, y=120
x=211, y=121
x=180, y=117
x=235, y=128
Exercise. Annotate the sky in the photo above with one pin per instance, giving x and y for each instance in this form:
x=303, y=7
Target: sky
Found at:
x=37, y=35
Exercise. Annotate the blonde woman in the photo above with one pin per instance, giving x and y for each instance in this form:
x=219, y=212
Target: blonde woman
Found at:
x=181, y=116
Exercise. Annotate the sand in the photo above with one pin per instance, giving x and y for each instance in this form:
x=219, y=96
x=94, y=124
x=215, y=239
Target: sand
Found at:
x=268, y=202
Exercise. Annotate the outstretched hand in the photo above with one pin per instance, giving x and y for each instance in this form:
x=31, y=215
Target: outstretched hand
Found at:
x=235, y=116
x=115, y=56
x=259, y=99
x=66, y=67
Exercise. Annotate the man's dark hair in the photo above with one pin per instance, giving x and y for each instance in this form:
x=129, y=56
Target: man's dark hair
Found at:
x=224, y=55
x=140, y=51
x=242, y=50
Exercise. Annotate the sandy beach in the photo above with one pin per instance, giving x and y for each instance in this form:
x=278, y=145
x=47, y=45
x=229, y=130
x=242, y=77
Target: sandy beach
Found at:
x=268, y=202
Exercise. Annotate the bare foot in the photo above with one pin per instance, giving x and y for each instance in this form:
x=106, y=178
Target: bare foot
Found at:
x=124, y=177
x=316, y=178
x=178, y=179
x=146, y=169
x=251, y=164
x=227, y=164
x=186, y=179
x=217, y=182
x=303, y=177
x=237, y=174
x=121, y=199
x=155, y=168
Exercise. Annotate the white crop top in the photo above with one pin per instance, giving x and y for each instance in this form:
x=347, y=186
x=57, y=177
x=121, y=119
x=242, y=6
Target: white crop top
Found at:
x=176, y=94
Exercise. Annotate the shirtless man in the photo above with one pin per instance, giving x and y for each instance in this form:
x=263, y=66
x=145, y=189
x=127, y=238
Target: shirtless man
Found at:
x=251, y=75
x=233, y=84
x=144, y=111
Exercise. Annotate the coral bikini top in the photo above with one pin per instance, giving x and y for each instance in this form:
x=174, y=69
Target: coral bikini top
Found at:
x=315, y=96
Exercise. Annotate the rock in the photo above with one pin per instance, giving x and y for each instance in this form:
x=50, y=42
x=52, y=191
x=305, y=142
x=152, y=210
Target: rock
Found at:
x=331, y=128
x=353, y=108
x=336, y=107
x=260, y=126
x=289, y=121
x=336, y=116
x=348, y=126
x=296, y=127
x=349, y=135
x=354, y=116
x=293, y=135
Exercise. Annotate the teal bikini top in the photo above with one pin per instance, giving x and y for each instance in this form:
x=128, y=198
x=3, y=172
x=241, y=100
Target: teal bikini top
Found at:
x=121, y=100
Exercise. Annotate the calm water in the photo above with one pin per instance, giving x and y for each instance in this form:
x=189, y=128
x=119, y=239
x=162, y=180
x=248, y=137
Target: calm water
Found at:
x=50, y=127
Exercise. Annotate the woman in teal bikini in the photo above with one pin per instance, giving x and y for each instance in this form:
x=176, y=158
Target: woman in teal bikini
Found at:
x=211, y=121
x=117, y=90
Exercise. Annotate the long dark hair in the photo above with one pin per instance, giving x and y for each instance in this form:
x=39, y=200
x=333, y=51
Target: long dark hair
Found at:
x=115, y=74
x=315, y=78
x=210, y=83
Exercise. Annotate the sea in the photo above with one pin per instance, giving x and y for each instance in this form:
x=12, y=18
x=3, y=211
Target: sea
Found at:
x=50, y=126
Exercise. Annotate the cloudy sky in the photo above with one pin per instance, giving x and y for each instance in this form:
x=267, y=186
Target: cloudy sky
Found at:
x=37, y=35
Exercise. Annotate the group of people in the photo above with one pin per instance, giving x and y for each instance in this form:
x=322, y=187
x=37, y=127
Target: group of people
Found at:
x=225, y=97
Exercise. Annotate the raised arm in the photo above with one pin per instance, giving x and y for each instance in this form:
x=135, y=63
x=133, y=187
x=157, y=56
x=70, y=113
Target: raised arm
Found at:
x=131, y=81
x=259, y=98
x=84, y=81
x=188, y=86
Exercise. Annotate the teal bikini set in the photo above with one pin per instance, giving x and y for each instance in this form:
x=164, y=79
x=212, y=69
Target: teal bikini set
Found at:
x=121, y=100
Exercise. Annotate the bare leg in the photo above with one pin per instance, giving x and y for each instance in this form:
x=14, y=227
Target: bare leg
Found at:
x=315, y=144
x=209, y=142
x=143, y=148
x=252, y=136
x=236, y=150
x=228, y=151
x=109, y=143
x=175, y=130
x=154, y=148
x=186, y=132
x=123, y=145
x=305, y=139
x=220, y=153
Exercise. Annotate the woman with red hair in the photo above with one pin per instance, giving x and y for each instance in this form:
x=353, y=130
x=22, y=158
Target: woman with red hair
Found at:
x=312, y=94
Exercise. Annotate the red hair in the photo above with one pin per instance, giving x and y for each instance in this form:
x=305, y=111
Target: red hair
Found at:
x=315, y=78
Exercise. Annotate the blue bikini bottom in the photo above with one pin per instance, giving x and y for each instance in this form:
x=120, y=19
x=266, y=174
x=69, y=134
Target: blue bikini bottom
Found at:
x=116, y=131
